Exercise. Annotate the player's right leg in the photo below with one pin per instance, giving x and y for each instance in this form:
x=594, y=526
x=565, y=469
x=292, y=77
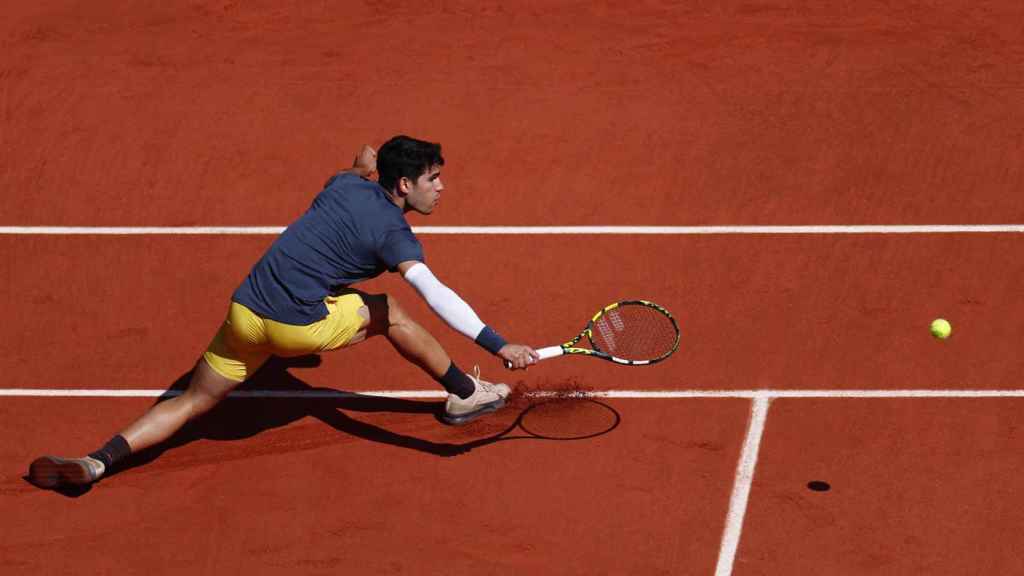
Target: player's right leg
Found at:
x=353, y=316
x=469, y=396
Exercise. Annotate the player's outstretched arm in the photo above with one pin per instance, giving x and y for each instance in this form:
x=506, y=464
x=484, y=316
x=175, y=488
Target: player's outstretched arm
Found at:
x=461, y=317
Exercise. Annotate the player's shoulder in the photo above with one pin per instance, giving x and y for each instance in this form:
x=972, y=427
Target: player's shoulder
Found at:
x=375, y=210
x=345, y=180
x=352, y=191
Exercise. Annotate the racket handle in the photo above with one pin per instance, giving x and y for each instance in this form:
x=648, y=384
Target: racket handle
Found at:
x=549, y=352
x=544, y=353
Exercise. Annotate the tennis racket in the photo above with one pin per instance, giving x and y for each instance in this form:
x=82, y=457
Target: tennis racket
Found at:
x=630, y=332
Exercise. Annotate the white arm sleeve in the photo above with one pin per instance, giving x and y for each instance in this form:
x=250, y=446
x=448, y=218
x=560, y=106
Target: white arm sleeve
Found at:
x=444, y=301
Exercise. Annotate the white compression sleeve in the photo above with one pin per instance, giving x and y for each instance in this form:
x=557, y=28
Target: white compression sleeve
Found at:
x=444, y=301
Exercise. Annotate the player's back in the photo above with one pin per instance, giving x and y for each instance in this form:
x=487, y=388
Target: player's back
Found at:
x=351, y=232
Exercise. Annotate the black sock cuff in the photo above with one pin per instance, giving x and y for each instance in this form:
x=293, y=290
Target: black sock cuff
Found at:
x=114, y=451
x=456, y=382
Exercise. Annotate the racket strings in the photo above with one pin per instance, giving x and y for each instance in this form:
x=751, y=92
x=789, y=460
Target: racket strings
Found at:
x=635, y=332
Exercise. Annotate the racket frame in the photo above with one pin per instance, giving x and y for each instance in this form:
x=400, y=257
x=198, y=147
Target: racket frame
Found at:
x=570, y=346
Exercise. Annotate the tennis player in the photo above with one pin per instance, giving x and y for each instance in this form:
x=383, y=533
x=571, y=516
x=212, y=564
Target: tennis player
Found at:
x=297, y=300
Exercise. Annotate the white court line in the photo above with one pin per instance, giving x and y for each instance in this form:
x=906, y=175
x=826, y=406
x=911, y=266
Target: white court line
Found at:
x=534, y=230
x=426, y=394
x=141, y=230
x=156, y=393
x=760, y=401
x=741, y=487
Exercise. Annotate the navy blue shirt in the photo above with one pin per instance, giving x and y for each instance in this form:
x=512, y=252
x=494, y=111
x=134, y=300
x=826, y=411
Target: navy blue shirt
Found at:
x=352, y=232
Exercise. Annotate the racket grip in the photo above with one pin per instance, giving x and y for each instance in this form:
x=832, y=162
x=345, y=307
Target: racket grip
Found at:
x=549, y=352
x=544, y=353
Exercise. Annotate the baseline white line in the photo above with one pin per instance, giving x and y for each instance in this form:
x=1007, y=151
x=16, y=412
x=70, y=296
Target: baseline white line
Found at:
x=141, y=230
x=534, y=230
x=156, y=393
x=872, y=229
x=915, y=393
x=741, y=487
x=635, y=394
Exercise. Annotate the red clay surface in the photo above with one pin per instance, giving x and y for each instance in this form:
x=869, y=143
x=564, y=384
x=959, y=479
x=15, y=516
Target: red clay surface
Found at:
x=222, y=113
x=272, y=486
x=756, y=312
x=219, y=112
x=918, y=487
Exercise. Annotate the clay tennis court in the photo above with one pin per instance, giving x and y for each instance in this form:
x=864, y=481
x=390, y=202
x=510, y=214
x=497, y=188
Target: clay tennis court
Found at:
x=149, y=154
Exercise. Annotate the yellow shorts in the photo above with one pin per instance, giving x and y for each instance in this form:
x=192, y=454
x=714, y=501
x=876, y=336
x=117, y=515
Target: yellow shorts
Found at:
x=245, y=341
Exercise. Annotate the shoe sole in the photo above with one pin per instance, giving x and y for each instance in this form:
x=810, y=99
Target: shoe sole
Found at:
x=460, y=419
x=51, y=471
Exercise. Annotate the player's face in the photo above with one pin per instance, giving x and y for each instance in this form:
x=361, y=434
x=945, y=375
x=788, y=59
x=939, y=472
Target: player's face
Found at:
x=425, y=192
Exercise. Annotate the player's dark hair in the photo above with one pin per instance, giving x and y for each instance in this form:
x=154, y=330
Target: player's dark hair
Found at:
x=405, y=157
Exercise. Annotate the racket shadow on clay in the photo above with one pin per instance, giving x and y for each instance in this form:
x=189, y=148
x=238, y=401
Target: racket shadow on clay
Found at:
x=555, y=419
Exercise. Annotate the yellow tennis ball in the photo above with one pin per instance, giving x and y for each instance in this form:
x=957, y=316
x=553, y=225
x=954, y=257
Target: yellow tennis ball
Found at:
x=941, y=328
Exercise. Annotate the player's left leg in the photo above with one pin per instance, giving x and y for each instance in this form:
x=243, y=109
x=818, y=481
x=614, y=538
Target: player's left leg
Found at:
x=206, y=388
x=235, y=353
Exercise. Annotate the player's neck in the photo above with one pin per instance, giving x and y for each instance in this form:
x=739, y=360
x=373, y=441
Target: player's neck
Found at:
x=397, y=200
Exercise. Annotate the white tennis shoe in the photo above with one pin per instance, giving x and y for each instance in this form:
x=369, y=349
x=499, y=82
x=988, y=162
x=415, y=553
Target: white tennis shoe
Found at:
x=488, y=397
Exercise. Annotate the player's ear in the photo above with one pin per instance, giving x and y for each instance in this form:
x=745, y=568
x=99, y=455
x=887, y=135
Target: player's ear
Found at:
x=404, y=186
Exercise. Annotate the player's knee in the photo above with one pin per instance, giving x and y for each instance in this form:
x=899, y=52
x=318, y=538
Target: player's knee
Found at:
x=196, y=403
x=379, y=308
x=396, y=314
x=206, y=389
x=398, y=318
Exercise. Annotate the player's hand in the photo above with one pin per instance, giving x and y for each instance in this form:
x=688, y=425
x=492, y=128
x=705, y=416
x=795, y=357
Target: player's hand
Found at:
x=365, y=163
x=518, y=355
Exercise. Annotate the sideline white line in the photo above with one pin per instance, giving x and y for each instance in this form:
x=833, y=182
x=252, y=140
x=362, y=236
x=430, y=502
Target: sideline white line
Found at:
x=534, y=230
x=741, y=487
x=636, y=394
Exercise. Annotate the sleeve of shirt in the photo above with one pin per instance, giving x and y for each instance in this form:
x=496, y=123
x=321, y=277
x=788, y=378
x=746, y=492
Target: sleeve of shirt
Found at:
x=452, y=308
x=398, y=246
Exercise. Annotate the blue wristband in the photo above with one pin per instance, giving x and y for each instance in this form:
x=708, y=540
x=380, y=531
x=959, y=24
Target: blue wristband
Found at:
x=490, y=340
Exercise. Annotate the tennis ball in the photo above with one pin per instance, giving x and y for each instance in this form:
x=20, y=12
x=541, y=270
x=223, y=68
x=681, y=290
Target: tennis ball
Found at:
x=941, y=328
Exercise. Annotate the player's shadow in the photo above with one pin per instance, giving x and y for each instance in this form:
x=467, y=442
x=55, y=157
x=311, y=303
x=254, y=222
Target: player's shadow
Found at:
x=240, y=418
